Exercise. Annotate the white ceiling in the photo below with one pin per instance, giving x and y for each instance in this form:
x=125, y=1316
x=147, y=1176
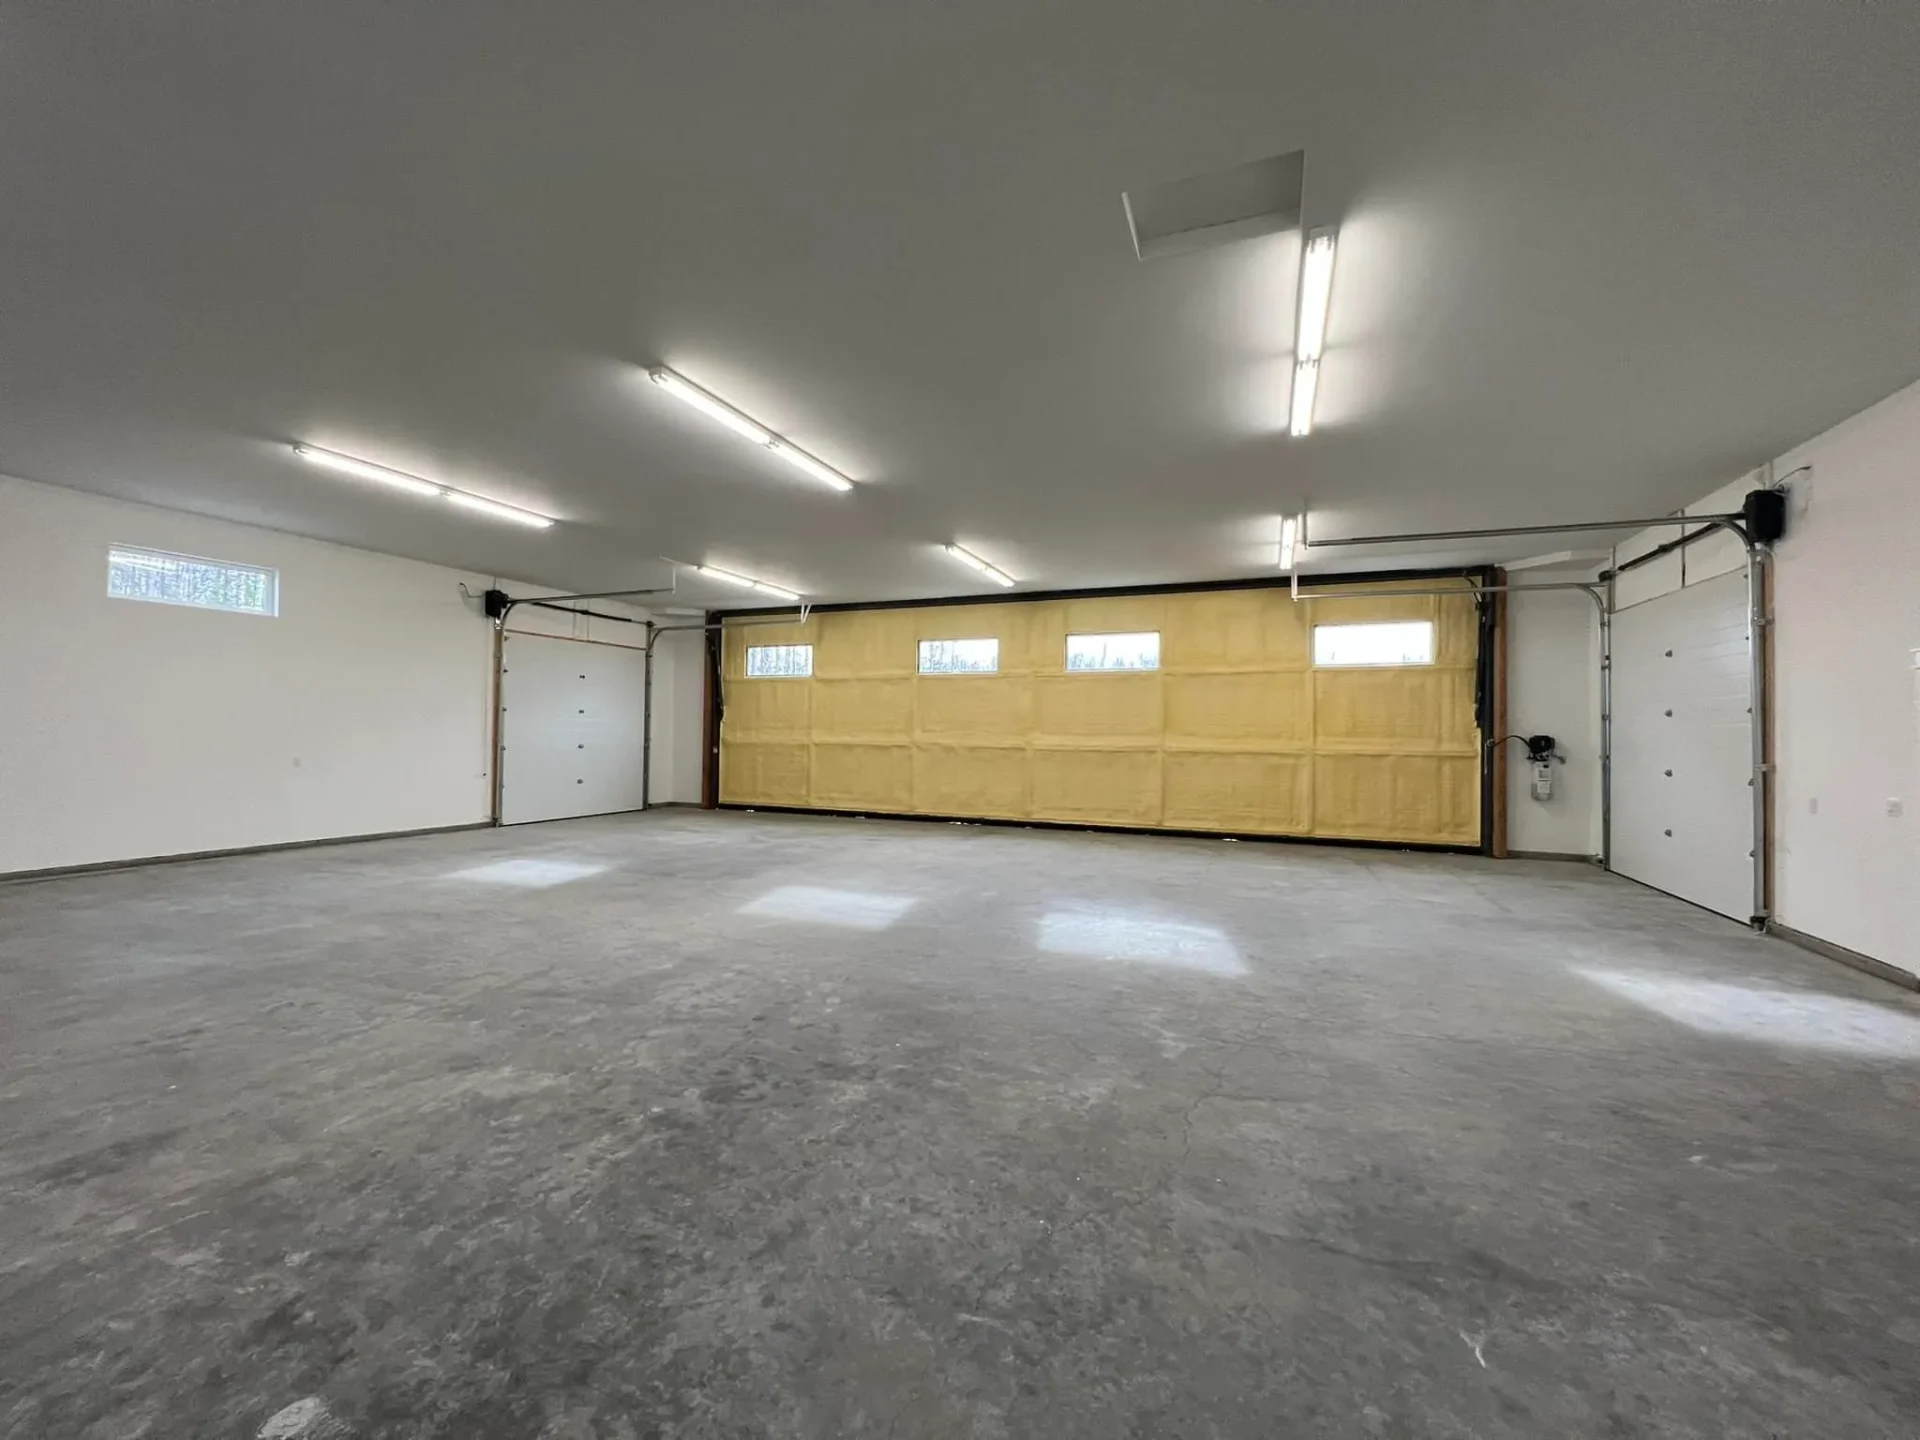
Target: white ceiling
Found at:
x=1595, y=259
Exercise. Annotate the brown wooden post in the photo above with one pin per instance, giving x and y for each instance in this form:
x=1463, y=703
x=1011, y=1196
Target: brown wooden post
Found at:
x=1499, y=708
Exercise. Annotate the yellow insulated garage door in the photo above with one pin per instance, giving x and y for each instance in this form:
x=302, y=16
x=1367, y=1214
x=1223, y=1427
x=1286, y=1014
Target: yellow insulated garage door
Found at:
x=1238, y=729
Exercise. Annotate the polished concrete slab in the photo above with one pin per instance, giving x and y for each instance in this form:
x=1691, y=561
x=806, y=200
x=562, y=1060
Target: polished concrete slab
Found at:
x=745, y=1125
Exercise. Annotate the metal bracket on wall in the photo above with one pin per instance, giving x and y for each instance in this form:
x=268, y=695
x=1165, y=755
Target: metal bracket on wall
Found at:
x=498, y=605
x=1579, y=527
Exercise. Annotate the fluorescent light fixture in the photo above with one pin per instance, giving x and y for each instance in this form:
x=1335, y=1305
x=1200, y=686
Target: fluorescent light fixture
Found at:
x=1289, y=539
x=1310, y=334
x=718, y=409
x=714, y=572
x=805, y=463
x=710, y=406
x=497, y=510
x=1306, y=379
x=366, y=470
x=968, y=558
x=414, y=485
x=1316, y=290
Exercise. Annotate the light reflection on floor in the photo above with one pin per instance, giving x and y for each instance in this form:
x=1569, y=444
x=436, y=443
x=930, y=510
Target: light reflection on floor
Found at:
x=1102, y=933
x=530, y=874
x=812, y=904
x=1802, y=1018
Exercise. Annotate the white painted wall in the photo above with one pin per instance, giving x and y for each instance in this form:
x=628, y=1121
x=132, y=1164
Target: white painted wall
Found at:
x=136, y=729
x=130, y=730
x=1553, y=669
x=679, y=713
x=1847, y=727
x=1846, y=693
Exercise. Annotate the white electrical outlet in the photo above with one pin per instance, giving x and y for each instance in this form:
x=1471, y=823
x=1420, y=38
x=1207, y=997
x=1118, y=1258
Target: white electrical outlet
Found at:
x=1543, y=781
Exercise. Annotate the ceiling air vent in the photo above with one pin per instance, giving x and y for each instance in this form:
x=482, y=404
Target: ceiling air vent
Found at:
x=1261, y=197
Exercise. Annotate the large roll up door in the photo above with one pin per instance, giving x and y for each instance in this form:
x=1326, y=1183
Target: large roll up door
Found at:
x=1683, y=745
x=1237, y=730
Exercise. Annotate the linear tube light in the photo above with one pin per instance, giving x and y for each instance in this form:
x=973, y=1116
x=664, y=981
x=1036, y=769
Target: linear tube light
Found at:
x=714, y=572
x=968, y=558
x=414, y=485
x=1316, y=290
x=807, y=465
x=710, y=406
x=365, y=470
x=1310, y=334
x=1289, y=540
x=498, y=511
x=715, y=408
x=1306, y=380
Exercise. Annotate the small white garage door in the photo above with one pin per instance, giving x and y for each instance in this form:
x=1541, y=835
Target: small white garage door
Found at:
x=570, y=728
x=1682, y=745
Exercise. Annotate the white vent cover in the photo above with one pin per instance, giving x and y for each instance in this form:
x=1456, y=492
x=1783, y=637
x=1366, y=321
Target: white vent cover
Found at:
x=1261, y=197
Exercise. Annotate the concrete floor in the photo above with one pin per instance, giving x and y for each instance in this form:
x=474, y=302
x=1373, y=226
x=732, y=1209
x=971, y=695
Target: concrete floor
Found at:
x=777, y=1126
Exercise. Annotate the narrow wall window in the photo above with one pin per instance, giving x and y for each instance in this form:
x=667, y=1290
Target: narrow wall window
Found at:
x=1137, y=650
x=1393, y=642
x=959, y=657
x=771, y=662
x=188, y=580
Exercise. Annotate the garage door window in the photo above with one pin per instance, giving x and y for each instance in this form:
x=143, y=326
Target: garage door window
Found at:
x=1396, y=642
x=773, y=662
x=1138, y=650
x=188, y=580
x=960, y=657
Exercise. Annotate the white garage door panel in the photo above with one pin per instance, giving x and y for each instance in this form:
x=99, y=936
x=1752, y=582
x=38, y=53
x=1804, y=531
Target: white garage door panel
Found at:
x=570, y=727
x=1682, y=746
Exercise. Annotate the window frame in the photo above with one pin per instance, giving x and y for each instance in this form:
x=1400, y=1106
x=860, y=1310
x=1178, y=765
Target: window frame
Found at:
x=1071, y=669
x=119, y=554
x=993, y=640
x=746, y=664
x=1433, y=645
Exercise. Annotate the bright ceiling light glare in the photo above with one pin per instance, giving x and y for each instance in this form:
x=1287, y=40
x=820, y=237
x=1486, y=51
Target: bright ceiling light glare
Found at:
x=968, y=558
x=727, y=577
x=1289, y=539
x=414, y=485
x=366, y=470
x=718, y=409
x=498, y=511
x=710, y=406
x=1306, y=379
x=1310, y=334
x=1316, y=290
x=807, y=465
